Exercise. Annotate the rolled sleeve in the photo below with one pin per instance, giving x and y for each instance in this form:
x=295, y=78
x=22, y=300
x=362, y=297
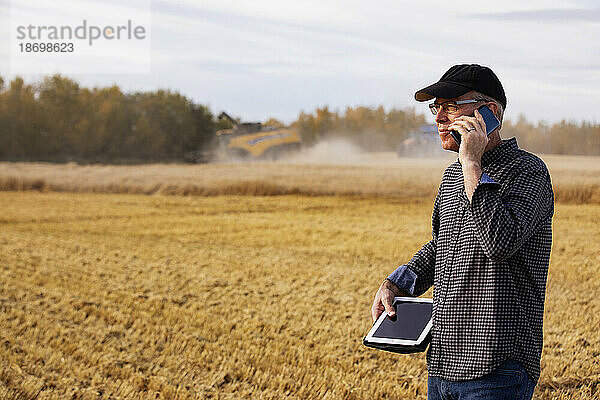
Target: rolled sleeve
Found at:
x=485, y=178
x=404, y=278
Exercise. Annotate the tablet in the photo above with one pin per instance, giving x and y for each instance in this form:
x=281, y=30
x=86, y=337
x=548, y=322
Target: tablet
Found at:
x=408, y=332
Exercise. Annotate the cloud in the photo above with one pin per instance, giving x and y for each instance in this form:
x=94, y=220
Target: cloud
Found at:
x=567, y=15
x=278, y=57
x=240, y=42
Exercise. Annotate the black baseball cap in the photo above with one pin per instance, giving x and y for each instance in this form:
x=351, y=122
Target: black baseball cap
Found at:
x=461, y=79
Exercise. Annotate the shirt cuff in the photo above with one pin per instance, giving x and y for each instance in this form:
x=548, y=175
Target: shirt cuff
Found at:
x=485, y=178
x=404, y=278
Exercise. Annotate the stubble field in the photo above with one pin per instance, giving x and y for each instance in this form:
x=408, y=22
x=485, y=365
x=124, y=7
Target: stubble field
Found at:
x=180, y=297
x=575, y=179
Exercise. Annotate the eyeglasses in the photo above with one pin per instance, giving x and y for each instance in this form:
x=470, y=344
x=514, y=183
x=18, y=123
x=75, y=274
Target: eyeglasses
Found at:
x=450, y=107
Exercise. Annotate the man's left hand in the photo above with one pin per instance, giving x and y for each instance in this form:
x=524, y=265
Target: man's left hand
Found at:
x=473, y=138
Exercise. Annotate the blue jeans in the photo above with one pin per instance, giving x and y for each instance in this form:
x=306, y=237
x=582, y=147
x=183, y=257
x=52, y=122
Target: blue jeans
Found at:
x=508, y=381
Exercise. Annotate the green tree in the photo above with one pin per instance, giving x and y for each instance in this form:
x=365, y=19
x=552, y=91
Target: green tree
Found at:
x=60, y=110
x=274, y=122
x=20, y=135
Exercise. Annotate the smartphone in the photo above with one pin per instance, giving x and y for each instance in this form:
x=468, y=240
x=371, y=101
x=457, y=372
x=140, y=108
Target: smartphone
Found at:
x=491, y=122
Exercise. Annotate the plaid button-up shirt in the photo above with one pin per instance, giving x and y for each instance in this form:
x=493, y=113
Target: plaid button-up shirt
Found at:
x=488, y=262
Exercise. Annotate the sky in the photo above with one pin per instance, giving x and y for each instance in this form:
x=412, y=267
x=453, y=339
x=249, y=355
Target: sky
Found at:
x=269, y=58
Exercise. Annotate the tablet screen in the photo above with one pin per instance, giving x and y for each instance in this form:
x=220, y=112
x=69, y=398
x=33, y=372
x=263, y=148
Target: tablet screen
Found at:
x=418, y=314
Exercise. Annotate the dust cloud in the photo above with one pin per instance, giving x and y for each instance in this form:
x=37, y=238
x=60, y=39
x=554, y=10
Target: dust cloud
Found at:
x=343, y=152
x=331, y=152
x=340, y=151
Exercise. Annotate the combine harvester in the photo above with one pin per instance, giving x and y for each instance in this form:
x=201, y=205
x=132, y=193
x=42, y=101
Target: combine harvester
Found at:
x=421, y=142
x=249, y=141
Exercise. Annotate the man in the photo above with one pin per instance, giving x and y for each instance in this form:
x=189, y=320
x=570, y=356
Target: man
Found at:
x=489, y=255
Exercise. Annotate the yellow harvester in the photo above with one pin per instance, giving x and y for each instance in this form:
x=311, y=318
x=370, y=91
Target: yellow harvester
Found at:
x=253, y=140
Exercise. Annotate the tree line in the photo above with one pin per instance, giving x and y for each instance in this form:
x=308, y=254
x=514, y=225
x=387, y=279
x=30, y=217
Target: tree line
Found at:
x=58, y=120
x=564, y=137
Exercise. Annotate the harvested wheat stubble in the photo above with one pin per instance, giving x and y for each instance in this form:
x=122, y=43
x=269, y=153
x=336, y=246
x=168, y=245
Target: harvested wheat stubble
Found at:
x=576, y=179
x=172, y=297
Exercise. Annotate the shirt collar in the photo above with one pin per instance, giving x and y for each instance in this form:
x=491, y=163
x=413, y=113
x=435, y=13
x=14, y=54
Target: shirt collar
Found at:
x=499, y=152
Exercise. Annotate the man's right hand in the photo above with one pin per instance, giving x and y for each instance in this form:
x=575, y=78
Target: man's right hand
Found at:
x=384, y=298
